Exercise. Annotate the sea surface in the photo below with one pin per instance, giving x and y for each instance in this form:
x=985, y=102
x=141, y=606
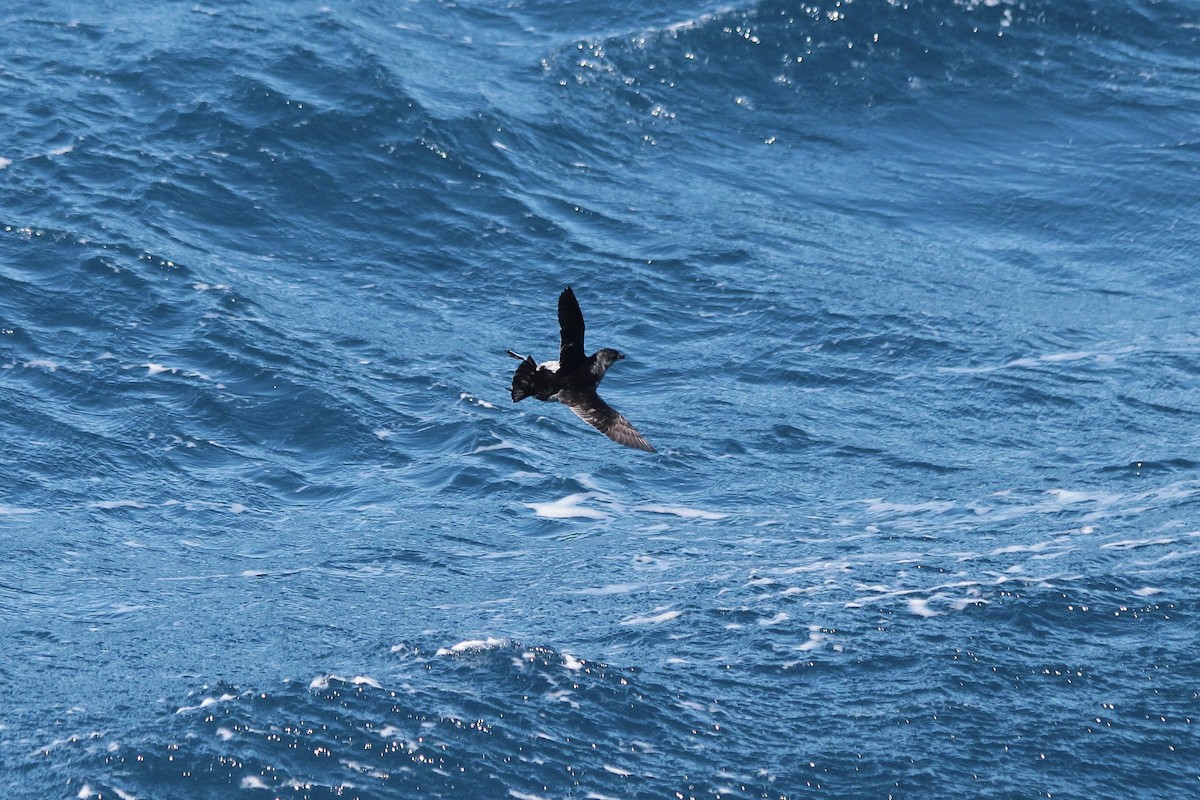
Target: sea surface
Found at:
x=910, y=299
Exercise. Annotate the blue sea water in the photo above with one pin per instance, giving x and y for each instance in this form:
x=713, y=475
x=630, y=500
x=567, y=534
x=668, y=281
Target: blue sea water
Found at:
x=909, y=298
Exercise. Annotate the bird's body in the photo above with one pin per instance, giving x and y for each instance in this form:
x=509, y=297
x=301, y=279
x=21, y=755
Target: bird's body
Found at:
x=573, y=378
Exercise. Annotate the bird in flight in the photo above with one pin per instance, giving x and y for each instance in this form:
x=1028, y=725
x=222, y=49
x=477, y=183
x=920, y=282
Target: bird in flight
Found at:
x=572, y=380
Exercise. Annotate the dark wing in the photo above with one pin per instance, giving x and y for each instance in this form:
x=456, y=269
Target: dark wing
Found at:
x=570, y=320
x=600, y=415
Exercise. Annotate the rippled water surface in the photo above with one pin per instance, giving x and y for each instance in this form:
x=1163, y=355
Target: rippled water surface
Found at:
x=908, y=294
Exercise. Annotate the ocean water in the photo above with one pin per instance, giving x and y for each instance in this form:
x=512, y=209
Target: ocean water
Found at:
x=909, y=298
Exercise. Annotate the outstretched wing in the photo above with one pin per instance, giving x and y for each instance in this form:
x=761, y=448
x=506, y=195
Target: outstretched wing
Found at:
x=600, y=415
x=570, y=320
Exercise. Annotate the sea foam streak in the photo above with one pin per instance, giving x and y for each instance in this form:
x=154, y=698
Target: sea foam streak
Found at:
x=471, y=644
x=567, y=508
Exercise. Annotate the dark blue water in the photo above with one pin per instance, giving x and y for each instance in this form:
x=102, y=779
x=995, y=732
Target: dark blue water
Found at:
x=909, y=297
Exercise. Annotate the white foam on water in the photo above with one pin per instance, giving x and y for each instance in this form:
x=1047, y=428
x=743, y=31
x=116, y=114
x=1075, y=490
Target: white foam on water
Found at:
x=1070, y=496
x=571, y=662
x=5, y=163
x=692, y=705
x=158, y=369
x=612, y=588
x=43, y=750
x=322, y=681
x=814, y=640
x=656, y=619
x=125, y=608
x=41, y=363
x=472, y=644
x=588, y=482
x=503, y=444
x=818, y=566
x=16, y=510
x=1054, y=358
x=682, y=511
x=206, y=505
x=205, y=703
x=477, y=401
x=652, y=563
x=1133, y=544
x=364, y=769
x=624, y=773
x=567, y=508
x=1022, y=548
x=254, y=782
x=878, y=506
x=524, y=795
x=920, y=607
x=1100, y=356
x=224, y=734
x=1147, y=591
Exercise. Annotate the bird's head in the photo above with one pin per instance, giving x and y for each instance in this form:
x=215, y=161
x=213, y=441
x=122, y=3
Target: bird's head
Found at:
x=606, y=358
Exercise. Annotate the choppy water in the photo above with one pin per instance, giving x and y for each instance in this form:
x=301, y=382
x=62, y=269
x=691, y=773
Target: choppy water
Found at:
x=909, y=299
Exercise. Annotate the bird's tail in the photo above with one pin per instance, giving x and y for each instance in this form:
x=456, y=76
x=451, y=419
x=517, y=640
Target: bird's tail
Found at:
x=522, y=384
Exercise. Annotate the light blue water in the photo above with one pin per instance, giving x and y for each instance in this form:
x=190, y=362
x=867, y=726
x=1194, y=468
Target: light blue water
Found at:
x=909, y=299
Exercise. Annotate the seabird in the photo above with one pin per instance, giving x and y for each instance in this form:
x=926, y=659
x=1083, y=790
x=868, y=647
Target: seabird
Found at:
x=572, y=380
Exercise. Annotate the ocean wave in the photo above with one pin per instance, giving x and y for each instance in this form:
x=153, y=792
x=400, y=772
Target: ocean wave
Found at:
x=904, y=295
